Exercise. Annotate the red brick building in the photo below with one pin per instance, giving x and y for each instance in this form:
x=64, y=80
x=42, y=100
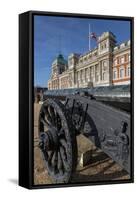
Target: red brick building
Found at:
x=121, y=64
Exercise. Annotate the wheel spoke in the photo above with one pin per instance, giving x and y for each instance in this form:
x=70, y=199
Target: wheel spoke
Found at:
x=61, y=132
x=58, y=122
x=52, y=114
x=45, y=155
x=60, y=164
x=50, y=157
x=63, y=156
x=41, y=126
x=47, y=115
x=44, y=122
x=54, y=159
x=63, y=143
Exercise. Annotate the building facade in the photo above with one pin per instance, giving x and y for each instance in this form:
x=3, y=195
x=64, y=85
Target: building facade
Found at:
x=107, y=64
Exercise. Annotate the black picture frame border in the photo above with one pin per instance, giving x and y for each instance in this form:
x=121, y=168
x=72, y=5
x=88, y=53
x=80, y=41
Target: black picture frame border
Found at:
x=26, y=98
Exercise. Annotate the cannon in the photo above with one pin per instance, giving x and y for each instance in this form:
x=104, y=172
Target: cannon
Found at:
x=97, y=115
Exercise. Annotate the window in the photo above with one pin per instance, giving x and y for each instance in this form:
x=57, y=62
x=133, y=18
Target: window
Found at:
x=121, y=72
x=105, y=63
x=128, y=71
x=122, y=60
x=129, y=57
x=114, y=74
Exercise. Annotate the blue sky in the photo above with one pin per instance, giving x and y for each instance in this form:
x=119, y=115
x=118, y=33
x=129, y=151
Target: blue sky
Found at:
x=54, y=35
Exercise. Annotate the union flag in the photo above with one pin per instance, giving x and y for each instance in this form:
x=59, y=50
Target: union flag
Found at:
x=93, y=36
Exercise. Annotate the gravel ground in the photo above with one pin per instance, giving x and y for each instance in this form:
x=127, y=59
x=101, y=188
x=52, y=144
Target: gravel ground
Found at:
x=102, y=168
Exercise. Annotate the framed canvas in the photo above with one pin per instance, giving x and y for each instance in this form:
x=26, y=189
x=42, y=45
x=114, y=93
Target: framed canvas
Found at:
x=76, y=100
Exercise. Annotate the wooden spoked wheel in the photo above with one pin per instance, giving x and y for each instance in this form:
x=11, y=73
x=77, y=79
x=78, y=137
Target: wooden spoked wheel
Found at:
x=57, y=141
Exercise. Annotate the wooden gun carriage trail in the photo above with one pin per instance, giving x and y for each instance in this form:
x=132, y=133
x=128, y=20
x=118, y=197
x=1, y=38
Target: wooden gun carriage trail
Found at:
x=101, y=114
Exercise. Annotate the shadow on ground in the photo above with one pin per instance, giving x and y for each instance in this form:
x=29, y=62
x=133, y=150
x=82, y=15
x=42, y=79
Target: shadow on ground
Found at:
x=14, y=181
x=102, y=168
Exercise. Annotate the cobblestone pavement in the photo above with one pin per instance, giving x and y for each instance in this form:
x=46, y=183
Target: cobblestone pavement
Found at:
x=102, y=168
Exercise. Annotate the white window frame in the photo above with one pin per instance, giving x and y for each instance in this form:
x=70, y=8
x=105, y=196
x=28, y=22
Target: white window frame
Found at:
x=123, y=69
x=115, y=72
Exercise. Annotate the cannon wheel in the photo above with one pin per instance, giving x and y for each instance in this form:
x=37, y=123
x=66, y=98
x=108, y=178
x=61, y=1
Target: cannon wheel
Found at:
x=57, y=141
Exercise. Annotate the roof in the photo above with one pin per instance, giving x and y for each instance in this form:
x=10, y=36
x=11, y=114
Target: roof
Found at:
x=60, y=60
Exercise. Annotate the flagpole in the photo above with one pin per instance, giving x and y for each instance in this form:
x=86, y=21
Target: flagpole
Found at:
x=89, y=38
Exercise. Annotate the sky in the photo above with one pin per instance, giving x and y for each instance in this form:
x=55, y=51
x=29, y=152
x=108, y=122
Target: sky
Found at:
x=66, y=35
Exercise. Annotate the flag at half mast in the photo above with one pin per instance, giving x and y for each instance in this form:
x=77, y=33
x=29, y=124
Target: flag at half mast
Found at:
x=92, y=35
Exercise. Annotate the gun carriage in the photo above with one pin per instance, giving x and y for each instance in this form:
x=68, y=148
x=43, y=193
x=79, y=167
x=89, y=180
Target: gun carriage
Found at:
x=101, y=114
